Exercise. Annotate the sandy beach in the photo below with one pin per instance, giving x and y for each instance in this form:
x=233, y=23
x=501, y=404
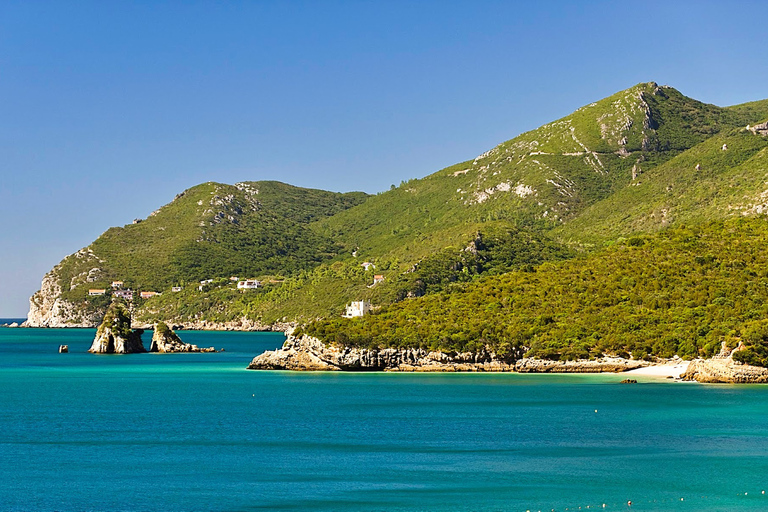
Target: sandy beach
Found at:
x=674, y=370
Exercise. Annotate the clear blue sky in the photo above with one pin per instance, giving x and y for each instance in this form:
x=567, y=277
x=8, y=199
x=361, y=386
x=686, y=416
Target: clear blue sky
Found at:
x=109, y=109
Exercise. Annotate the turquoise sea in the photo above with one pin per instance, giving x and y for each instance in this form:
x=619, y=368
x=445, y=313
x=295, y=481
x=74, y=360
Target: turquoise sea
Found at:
x=179, y=432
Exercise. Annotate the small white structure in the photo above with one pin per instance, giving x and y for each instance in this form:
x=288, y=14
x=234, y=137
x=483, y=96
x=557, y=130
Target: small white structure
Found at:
x=378, y=278
x=148, y=295
x=123, y=294
x=248, y=284
x=725, y=147
x=117, y=284
x=698, y=167
x=176, y=288
x=203, y=283
x=93, y=292
x=367, y=265
x=357, y=308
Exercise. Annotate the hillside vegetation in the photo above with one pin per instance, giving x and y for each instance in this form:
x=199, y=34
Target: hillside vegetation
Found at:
x=211, y=230
x=683, y=291
x=559, y=200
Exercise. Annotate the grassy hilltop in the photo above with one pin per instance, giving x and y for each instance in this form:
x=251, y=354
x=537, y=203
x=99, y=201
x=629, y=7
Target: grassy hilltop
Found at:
x=531, y=214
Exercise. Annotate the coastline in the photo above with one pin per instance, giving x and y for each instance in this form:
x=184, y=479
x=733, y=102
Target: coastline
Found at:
x=305, y=353
x=242, y=325
x=663, y=370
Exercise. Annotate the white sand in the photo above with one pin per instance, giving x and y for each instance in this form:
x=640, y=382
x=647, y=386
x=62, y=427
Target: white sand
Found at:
x=662, y=370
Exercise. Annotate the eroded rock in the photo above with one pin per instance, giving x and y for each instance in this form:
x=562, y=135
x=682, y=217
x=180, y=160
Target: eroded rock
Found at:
x=167, y=341
x=114, y=335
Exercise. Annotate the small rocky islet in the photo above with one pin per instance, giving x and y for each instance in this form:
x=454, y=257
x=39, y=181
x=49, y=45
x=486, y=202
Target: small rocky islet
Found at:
x=115, y=336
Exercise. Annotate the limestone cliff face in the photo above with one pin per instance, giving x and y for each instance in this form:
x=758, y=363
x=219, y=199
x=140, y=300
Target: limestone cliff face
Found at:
x=48, y=309
x=305, y=353
x=725, y=370
x=602, y=365
x=165, y=340
x=310, y=354
x=722, y=368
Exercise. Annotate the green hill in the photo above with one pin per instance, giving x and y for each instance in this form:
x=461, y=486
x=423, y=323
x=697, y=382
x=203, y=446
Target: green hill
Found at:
x=544, y=178
x=640, y=161
x=208, y=231
x=683, y=291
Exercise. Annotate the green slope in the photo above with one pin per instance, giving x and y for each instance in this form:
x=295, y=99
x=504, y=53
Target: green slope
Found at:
x=622, y=165
x=701, y=184
x=683, y=291
x=211, y=230
x=544, y=178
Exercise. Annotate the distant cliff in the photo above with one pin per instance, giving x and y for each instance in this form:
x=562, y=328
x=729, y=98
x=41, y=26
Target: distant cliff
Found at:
x=47, y=308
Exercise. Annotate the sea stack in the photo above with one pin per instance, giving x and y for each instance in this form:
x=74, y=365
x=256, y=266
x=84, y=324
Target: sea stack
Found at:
x=165, y=340
x=114, y=335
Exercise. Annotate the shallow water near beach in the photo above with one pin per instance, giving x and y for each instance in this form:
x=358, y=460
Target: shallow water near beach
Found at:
x=183, y=432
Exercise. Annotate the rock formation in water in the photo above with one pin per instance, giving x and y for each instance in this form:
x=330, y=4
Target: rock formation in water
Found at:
x=165, y=340
x=114, y=335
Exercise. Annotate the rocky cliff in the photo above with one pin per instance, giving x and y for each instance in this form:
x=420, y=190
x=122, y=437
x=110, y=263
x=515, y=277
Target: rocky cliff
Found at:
x=165, y=340
x=48, y=309
x=725, y=370
x=115, y=336
x=305, y=353
x=602, y=365
x=722, y=368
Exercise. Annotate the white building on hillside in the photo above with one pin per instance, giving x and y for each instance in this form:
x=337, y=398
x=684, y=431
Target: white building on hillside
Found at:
x=248, y=284
x=357, y=308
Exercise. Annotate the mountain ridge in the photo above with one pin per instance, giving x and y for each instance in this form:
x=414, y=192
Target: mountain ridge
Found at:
x=566, y=184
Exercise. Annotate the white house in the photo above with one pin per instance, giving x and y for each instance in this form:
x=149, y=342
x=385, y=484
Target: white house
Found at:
x=176, y=288
x=248, y=284
x=357, y=308
x=378, y=278
x=93, y=292
x=123, y=294
x=367, y=265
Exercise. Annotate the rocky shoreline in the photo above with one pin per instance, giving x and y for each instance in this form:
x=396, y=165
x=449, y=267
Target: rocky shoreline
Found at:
x=244, y=325
x=724, y=371
x=305, y=353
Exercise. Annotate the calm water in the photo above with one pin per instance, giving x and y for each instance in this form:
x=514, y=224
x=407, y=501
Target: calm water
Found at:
x=198, y=432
